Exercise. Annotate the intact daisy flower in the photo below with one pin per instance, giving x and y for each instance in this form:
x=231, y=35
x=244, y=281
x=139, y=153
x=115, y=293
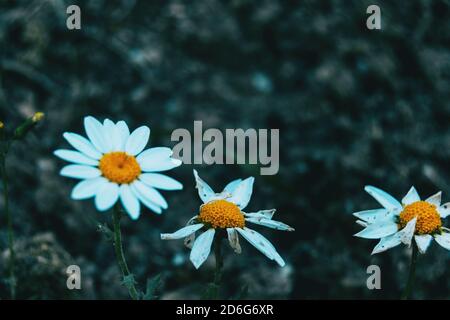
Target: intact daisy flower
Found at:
x=398, y=223
x=113, y=165
x=223, y=213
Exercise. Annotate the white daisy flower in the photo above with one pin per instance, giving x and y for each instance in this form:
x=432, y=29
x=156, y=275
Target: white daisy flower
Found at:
x=398, y=223
x=223, y=212
x=113, y=165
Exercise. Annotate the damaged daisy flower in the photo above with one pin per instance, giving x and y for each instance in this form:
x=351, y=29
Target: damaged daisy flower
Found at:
x=413, y=222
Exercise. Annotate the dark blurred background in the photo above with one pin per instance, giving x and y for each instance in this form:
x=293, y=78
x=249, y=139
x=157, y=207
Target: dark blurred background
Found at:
x=353, y=106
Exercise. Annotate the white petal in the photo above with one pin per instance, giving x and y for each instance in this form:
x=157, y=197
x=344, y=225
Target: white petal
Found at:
x=444, y=210
x=232, y=185
x=112, y=135
x=423, y=242
x=443, y=239
x=435, y=199
x=160, y=181
x=95, y=132
x=411, y=197
x=270, y=224
x=137, y=140
x=385, y=199
x=362, y=223
x=262, y=244
x=233, y=239
x=162, y=165
x=242, y=193
x=151, y=194
x=107, y=196
x=83, y=145
x=75, y=157
x=129, y=201
x=387, y=243
x=124, y=134
x=202, y=247
x=80, y=172
x=407, y=233
x=375, y=215
x=378, y=230
x=147, y=202
x=204, y=190
x=183, y=232
x=88, y=188
x=154, y=155
x=266, y=214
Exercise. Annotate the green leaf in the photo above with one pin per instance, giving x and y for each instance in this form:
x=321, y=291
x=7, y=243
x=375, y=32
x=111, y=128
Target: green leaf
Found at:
x=153, y=285
x=129, y=281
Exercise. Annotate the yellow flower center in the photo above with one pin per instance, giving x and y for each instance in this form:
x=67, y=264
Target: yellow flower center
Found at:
x=119, y=167
x=428, y=218
x=221, y=214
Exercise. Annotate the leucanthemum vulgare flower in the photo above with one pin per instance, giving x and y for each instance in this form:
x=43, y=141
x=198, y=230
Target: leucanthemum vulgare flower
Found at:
x=113, y=165
x=398, y=223
x=223, y=212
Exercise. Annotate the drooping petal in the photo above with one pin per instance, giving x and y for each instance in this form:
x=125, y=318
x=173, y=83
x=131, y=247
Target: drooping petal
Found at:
x=183, y=232
x=160, y=181
x=378, y=230
x=95, y=132
x=407, y=233
x=262, y=244
x=189, y=240
x=233, y=239
x=423, y=242
x=83, y=145
x=145, y=201
x=266, y=214
x=129, y=201
x=107, y=196
x=385, y=199
x=444, y=210
x=242, y=193
x=137, y=140
x=77, y=171
x=387, y=243
x=124, y=134
x=411, y=197
x=88, y=188
x=202, y=247
x=435, y=199
x=270, y=224
x=151, y=194
x=204, y=190
x=443, y=239
x=232, y=185
x=75, y=157
x=375, y=215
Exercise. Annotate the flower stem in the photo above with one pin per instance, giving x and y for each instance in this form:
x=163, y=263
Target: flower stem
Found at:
x=120, y=255
x=219, y=265
x=12, y=277
x=412, y=273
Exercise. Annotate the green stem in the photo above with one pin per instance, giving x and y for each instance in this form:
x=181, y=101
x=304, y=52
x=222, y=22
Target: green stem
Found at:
x=12, y=277
x=219, y=265
x=120, y=255
x=412, y=273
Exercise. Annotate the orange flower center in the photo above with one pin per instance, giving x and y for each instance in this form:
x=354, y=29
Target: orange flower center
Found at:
x=428, y=218
x=221, y=214
x=119, y=167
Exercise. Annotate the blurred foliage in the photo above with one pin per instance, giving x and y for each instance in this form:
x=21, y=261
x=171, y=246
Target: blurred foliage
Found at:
x=354, y=107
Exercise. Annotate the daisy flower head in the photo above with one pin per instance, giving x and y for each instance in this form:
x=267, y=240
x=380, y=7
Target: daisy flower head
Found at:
x=221, y=214
x=113, y=165
x=411, y=220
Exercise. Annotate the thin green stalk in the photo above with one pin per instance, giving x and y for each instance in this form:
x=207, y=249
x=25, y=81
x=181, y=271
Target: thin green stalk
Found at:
x=219, y=265
x=11, y=267
x=412, y=273
x=120, y=255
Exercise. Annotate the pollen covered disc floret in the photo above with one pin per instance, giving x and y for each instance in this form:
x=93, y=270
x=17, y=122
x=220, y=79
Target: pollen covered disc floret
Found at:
x=221, y=214
x=428, y=218
x=119, y=167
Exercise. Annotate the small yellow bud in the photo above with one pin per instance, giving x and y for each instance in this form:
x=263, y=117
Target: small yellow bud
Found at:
x=2, y=125
x=38, y=116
